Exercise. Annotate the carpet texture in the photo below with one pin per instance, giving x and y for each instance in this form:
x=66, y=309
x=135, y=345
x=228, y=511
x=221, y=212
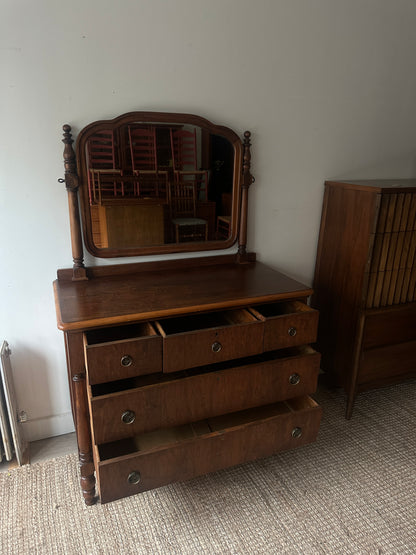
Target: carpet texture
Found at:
x=353, y=491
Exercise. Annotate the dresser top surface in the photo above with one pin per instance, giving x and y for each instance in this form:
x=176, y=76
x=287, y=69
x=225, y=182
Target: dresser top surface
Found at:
x=121, y=299
x=376, y=185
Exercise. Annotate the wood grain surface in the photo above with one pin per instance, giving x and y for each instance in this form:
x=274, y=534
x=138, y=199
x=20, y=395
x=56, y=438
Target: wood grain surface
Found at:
x=118, y=299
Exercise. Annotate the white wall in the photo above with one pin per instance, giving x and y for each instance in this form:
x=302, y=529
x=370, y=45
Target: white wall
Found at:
x=327, y=87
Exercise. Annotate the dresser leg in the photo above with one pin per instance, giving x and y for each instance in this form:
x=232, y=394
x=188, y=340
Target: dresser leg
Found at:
x=86, y=466
x=350, y=406
x=86, y=462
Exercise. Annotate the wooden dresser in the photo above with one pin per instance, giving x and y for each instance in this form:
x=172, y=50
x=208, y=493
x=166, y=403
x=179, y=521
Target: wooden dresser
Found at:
x=178, y=367
x=184, y=371
x=365, y=283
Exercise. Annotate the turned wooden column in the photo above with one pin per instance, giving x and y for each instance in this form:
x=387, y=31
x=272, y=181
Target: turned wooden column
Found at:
x=248, y=179
x=86, y=463
x=80, y=412
x=71, y=183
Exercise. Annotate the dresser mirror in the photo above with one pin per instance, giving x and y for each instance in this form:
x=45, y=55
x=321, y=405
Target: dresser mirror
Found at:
x=153, y=183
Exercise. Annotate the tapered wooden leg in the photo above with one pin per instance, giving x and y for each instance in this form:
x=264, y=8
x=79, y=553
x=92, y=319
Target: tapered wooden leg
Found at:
x=86, y=462
x=352, y=389
x=350, y=405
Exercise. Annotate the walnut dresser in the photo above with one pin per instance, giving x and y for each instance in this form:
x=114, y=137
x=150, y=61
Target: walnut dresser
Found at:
x=365, y=283
x=179, y=367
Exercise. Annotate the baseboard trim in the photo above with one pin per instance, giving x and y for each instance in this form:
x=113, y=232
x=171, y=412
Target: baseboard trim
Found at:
x=50, y=426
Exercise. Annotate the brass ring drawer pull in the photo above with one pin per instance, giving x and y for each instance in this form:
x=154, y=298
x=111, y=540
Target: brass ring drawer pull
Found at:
x=292, y=331
x=126, y=360
x=216, y=347
x=128, y=417
x=296, y=432
x=134, y=477
x=294, y=379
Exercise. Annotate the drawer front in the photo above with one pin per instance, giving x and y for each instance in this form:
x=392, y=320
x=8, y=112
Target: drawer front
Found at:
x=242, y=337
x=389, y=326
x=387, y=364
x=287, y=324
x=193, y=398
x=229, y=443
x=116, y=360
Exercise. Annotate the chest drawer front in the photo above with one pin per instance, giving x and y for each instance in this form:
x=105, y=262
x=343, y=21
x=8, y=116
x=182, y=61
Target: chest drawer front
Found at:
x=189, y=399
x=287, y=324
x=389, y=326
x=180, y=454
x=108, y=359
x=388, y=364
x=193, y=341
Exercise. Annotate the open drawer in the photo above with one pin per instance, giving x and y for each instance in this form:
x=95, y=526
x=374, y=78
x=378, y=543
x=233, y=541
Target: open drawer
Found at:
x=122, y=352
x=158, y=458
x=167, y=400
x=207, y=338
x=287, y=324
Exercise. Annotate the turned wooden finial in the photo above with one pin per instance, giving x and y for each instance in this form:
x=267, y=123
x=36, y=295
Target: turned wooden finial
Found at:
x=248, y=179
x=71, y=177
x=71, y=184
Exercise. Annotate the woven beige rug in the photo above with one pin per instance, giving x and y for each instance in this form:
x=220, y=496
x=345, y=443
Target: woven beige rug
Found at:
x=353, y=491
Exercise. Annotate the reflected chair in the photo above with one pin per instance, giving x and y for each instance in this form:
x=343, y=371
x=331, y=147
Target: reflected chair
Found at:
x=223, y=227
x=185, y=164
x=182, y=203
x=102, y=167
x=224, y=219
x=151, y=181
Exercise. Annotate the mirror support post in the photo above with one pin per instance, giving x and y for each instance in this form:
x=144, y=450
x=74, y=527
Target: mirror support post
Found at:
x=71, y=184
x=248, y=179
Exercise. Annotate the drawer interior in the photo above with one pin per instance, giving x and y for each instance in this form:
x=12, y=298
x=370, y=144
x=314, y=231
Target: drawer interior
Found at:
x=108, y=388
x=163, y=438
x=150, y=440
x=184, y=324
x=270, y=310
x=119, y=333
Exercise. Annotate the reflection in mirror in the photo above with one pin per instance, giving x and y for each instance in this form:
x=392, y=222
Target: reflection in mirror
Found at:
x=152, y=184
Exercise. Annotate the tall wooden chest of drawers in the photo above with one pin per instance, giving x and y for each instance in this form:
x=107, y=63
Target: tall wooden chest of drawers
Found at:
x=183, y=371
x=365, y=283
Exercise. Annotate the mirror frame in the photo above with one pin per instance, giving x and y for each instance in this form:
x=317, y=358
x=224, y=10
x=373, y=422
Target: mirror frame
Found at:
x=163, y=118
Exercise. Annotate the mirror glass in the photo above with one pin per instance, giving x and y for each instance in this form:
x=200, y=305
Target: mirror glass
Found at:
x=154, y=183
